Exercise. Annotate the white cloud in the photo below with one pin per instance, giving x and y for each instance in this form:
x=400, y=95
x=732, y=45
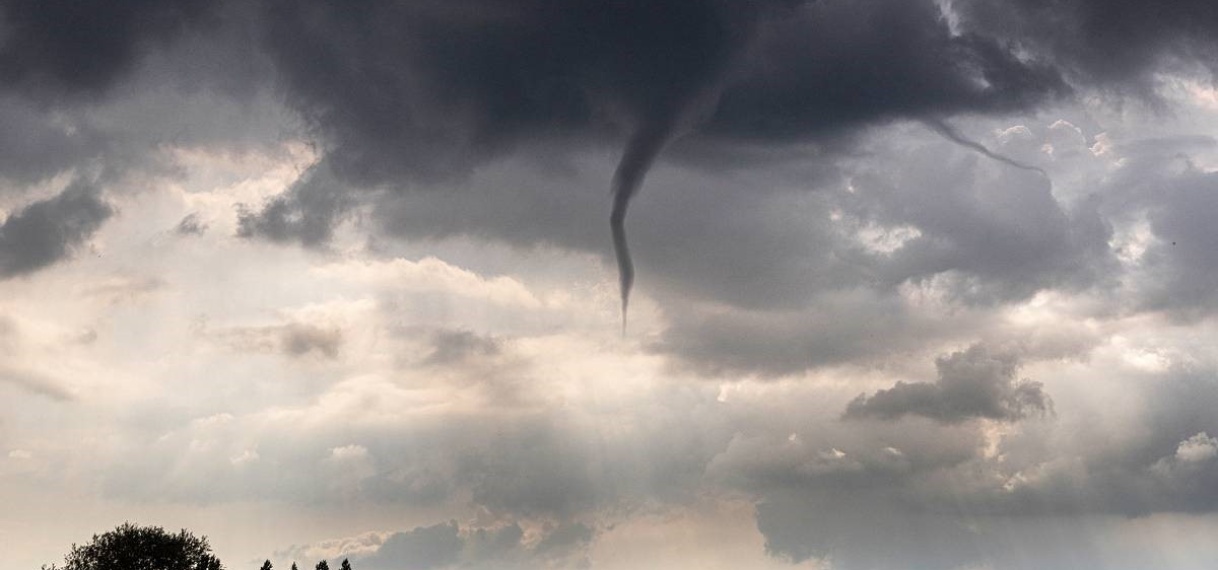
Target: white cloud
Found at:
x=1198, y=448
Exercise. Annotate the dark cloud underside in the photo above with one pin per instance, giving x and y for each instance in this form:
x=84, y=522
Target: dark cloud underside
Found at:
x=50, y=230
x=61, y=47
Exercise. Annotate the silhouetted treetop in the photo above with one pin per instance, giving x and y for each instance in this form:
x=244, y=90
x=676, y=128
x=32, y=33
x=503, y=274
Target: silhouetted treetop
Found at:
x=131, y=547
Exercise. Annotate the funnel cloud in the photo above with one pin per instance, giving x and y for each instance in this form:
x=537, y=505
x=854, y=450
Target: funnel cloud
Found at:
x=940, y=126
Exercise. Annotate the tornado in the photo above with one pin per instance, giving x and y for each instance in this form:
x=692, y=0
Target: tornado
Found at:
x=641, y=151
x=951, y=134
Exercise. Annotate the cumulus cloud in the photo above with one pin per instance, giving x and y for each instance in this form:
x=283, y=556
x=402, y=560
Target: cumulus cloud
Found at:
x=974, y=383
x=1198, y=448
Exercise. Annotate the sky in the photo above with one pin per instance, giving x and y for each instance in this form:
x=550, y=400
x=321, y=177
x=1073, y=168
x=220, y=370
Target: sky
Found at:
x=613, y=284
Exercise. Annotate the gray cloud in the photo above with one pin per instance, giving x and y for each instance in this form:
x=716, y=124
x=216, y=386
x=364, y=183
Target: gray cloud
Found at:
x=71, y=48
x=1117, y=46
x=36, y=144
x=866, y=534
x=995, y=236
x=1183, y=260
x=975, y=383
x=1044, y=489
x=305, y=213
x=48, y=231
x=295, y=339
x=854, y=327
x=422, y=548
x=1160, y=465
x=191, y=225
x=455, y=347
x=300, y=339
x=451, y=546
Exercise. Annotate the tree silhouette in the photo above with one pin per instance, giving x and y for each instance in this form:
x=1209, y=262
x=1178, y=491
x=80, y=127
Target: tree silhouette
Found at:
x=323, y=565
x=267, y=566
x=294, y=566
x=129, y=546
x=346, y=565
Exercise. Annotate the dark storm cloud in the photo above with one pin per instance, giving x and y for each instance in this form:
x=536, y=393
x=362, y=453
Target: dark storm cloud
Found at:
x=788, y=283
x=975, y=383
x=48, y=231
x=61, y=47
x=408, y=95
x=835, y=65
x=1114, y=44
x=418, y=93
x=35, y=145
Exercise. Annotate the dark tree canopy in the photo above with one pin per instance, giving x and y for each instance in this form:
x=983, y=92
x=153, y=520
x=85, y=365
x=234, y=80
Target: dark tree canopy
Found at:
x=131, y=547
x=267, y=565
x=346, y=565
x=323, y=565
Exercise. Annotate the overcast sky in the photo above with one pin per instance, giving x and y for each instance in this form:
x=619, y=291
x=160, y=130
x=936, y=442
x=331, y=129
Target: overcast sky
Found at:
x=918, y=285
